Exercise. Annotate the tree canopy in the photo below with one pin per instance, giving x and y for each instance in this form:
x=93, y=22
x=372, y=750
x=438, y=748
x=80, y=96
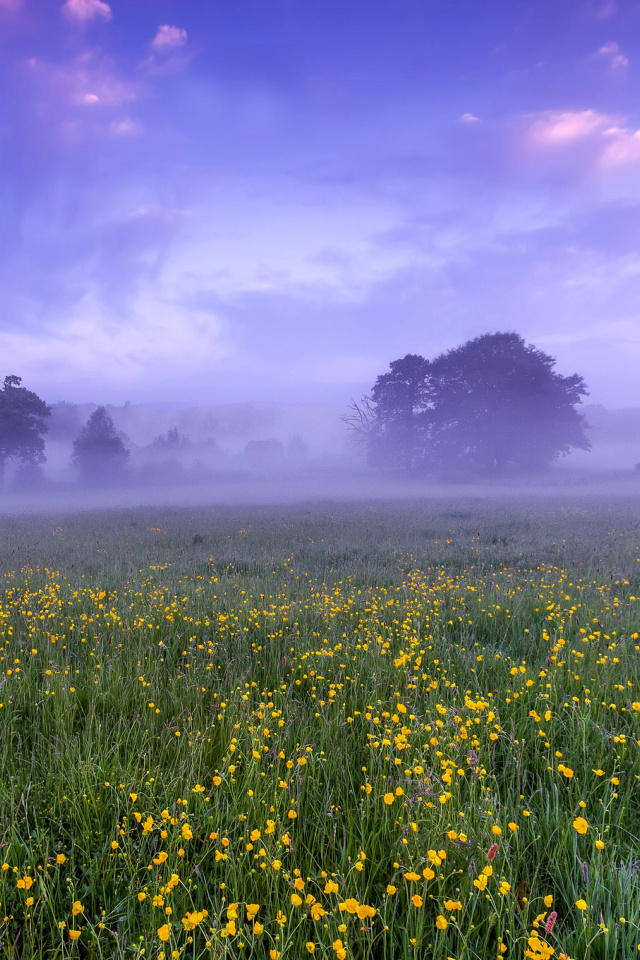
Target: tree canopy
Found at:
x=99, y=454
x=22, y=424
x=491, y=403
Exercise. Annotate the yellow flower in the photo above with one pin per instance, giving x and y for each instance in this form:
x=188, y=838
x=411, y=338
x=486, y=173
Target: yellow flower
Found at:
x=163, y=932
x=581, y=904
x=504, y=888
x=296, y=901
x=299, y=883
x=25, y=883
x=252, y=910
x=134, y=797
x=417, y=900
x=441, y=922
x=317, y=911
x=480, y=882
x=388, y=799
x=142, y=896
x=580, y=825
x=599, y=845
x=513, y=827
x=74, y=934
x=411, y=876
x=76, y=908
x=428, y=873
x=257, y=928
x=391, y=889
x=310, y=946
x=495, y=829
x=548, y=900
x=331, y=886
x=61, y=858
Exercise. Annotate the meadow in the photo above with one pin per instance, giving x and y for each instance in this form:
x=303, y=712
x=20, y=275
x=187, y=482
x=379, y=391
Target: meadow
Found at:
x=350, y=731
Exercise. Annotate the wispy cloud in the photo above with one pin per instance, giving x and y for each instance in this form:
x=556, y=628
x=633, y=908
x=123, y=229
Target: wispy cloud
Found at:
x=84, y=10
x=611, y=142
x=168, y=38
x=611, y=54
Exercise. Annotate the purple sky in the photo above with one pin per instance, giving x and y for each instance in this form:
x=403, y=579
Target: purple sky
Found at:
x=221, y=200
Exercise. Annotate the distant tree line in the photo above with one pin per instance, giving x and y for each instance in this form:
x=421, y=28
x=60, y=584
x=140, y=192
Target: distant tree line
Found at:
x=494, y=402
x=491, y=404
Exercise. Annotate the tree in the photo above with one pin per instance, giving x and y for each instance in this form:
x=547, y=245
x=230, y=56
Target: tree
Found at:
x=498, y=401
x=22, y=416
x=492, y=402
x=394, y=421
x=99, y=454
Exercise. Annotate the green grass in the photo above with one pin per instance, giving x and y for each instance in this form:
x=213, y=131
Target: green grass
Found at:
x=164, y=672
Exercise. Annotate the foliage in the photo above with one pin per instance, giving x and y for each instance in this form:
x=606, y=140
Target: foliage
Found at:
x=22, y=424
x=375, y=732
x=393, y=421
x=493, y=402
x=497, y=400
x=99, y=454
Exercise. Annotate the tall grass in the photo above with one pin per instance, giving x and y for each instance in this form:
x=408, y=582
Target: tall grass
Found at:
x=396, y=730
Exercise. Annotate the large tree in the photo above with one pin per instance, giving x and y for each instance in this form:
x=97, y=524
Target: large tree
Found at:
x=491, y=403
x=393, y=421
x=99, y=454
x=22, y=425
x=498, y=401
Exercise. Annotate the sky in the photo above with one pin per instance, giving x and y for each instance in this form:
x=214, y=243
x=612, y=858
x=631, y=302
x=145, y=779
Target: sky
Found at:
x=214, y=201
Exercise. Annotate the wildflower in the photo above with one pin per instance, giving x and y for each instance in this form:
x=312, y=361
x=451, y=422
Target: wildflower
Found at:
x=296, y=901
x=331, y=886
x=142, y=896
x=491, y=852
x=391, y=889
x=74, y=934
x=599, y=845
x=513, y=827
x=134, y=797
x=441, y=922
x=25, y=883
x=480, y=882
x=548, y=900
x=496, y=830
x=257, y=929
x=365, y=912
x=580, y=825
x=411, y=876
x=338, y=946
x=388, y=799
x=551, y=922
x=298, y=883
x=252, y=910
x=317, y=912
x=77, y=908
x=61, y=859
x=417, y=900
x=163, y=932
x=428, y=873
x=310, y=946
x=504, y=888
x=276, y=864
x=581, y=904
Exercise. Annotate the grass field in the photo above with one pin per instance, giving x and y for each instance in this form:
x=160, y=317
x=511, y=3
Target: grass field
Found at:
x=375, y=730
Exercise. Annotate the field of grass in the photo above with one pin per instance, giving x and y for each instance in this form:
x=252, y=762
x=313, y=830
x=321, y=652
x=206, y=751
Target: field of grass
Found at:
x=360, y=731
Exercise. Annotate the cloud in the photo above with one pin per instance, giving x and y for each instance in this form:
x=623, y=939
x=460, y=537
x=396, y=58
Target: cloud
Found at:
x=600, y=9
x=608, y=141
x=468, y=118
x=554, y=128
x=613, y=56
x=84, y=10
x=168, y=38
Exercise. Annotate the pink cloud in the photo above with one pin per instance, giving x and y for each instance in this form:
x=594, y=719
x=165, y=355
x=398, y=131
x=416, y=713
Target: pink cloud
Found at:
x=568, y=127
x=613, y=56
x=168, y=38
x=603, y=141
x=85, y=10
